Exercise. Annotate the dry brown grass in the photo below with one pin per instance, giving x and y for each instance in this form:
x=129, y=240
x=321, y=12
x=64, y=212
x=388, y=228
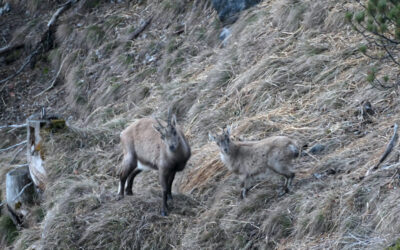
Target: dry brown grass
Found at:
x=289, y=68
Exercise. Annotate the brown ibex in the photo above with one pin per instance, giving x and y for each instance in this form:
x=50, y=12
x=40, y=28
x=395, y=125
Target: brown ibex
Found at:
x=249, y=158
x=152, y=144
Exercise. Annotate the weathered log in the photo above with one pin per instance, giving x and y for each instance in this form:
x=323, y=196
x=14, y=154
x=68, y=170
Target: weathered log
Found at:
x=13, y=126
x=9, y=48
x=35, y=160
x=389, y=147
x=36, y=129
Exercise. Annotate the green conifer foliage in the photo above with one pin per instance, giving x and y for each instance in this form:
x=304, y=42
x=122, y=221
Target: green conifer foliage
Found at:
x=379, y=23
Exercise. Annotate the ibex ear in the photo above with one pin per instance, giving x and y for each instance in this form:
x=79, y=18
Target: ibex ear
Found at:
x=211, y=137
x=173, y=120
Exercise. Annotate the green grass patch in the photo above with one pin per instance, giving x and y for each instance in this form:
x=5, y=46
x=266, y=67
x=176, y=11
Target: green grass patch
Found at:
x=8, y=229
x=113, y=21
x=395, y=246
x=252, y=19
x=90, y=4
x=172, y=46
x=95, y=35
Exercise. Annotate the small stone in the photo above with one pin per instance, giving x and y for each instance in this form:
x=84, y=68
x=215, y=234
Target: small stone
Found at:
x=317, y=176
x=317, y=148
x=228, y=9
x=225, y=34
x=331, y=171
x=7, y=7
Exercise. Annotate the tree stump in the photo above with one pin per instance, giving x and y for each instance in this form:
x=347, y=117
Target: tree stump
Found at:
x=19, y=193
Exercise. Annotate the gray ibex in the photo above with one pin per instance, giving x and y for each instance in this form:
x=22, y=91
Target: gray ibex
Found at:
x=249, y=158
x=152, y=144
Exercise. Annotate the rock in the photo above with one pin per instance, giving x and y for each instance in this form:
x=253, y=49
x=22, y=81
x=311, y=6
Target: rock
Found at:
x=6, y=8
x=331, y=171
x=317, y=176
x=224, y=36
x=228, y=10
x=367, y=108
x=317, y=148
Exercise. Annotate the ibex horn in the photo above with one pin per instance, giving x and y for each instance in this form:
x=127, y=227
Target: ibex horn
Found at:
x=169, y=116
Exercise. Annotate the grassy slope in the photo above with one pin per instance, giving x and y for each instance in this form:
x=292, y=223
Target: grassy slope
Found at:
x=290, y=67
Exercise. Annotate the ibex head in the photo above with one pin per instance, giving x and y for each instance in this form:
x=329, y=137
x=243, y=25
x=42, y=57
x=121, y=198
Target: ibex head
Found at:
x=223, y=140
x=169, y=133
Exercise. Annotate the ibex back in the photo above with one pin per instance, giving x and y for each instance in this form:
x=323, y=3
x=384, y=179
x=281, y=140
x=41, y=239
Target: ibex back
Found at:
x=249, y=158
x=152, y=144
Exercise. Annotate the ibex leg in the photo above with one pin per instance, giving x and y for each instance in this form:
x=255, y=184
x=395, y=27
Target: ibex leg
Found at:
x=131, y=177
x=171, y=178
x=128, y=165
x=245, y=185
x=164, y=185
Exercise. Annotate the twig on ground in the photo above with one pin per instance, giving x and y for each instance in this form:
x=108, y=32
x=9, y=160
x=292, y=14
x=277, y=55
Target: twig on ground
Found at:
x=27, y=61
x=19, y=194
x=388, y=150
x=13, y=146
x=9, y=48
x=243, y=222
x=13, y=126
x=21, y=165
x=59, y=11
x=139, y=30
x=389, y=147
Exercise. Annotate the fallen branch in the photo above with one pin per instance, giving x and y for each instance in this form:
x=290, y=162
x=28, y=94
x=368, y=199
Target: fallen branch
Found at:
x=139, y=30
x=13, y=146
x=21, y=165
x=19, y=194
x=242, y=222
x=13, y=126
x=9, y=48
x=59, y=11
x=45, y=42
x=27, y=61
x=53, y=82
x=389, y=147
x=22, y=190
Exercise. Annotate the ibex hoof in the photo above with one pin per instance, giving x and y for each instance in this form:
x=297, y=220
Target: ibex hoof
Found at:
x=119, y=197
x=130, y=193
x=283, y=192
x=164, y=213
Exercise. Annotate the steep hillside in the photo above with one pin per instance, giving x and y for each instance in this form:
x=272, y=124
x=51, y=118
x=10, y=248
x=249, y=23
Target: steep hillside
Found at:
x=287, y=68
